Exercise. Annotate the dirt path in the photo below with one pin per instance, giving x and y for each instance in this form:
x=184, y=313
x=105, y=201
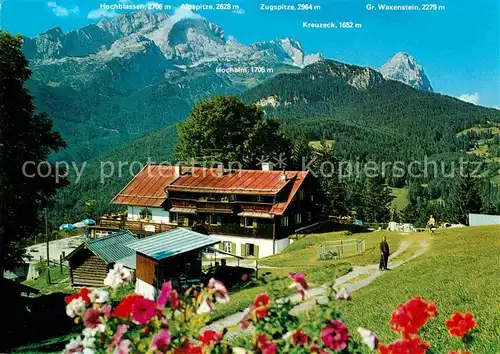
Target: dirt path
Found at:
x=352, y=281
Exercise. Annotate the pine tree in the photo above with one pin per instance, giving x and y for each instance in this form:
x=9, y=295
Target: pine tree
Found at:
x=377, y=200
x=26, y=139
x=465, y=197
x=326, y=168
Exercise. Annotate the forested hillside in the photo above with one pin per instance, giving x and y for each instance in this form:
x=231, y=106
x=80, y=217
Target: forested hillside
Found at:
x=90, y=197
x=367, y=116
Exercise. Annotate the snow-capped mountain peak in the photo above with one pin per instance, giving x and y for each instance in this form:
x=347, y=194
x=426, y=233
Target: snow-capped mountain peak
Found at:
x=404, y=68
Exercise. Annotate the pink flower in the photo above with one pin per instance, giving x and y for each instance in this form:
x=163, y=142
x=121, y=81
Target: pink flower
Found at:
x=75, y=345
x=245, y=318
x=92, y=318
x=161, y=341
x=174, y=300
x=343, y=294
x=120, y=331
x=335, y=335
x=299, y=283
x=265, y=345
x=164, y=295
x=206, y=306
x=143, y=310
x=220, y=291
x=123, y=347
x=210, y=337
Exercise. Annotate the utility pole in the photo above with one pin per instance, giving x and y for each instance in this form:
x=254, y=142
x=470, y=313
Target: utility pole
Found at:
x=47, y=240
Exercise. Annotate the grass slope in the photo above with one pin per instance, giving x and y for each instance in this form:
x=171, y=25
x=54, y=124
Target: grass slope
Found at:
x=302, y=256
x=400, y=200
x=460, y=272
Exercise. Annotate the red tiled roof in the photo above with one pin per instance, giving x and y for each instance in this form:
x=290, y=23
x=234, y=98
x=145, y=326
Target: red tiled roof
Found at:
x=279, y=208
x=147, y=188
x=255, y=182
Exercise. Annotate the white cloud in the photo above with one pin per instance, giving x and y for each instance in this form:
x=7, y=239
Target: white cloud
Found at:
x=62, y=11
x=240, y=11
x=182, y=13
x=100, y=13
x=470, y=97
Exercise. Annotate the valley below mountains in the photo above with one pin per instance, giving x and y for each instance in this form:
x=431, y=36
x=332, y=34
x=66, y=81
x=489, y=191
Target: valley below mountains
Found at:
x=121, y=78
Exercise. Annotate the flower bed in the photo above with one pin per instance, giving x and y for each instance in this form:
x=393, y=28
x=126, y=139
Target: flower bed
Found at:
x=172, y=323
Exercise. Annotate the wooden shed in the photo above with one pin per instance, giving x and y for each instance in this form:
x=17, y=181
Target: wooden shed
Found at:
x=171, y=255
x=90, y=262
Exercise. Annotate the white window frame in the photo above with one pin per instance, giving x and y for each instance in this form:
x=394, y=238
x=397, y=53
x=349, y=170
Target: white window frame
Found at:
x=227, y=246
x=298, y=218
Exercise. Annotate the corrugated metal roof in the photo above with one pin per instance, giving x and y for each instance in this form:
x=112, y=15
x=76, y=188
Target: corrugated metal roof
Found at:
x=111, y=248
x=171, y=243
x=129, y=262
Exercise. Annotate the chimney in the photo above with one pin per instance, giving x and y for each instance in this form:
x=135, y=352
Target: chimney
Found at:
x=267, y=166
x=284, y=177
x=177, y=171
x=220, y=169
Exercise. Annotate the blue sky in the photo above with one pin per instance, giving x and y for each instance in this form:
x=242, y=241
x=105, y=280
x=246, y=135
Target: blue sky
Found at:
x=459, y=47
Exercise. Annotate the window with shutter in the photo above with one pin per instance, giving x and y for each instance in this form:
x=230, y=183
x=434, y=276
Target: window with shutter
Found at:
x=242, y=250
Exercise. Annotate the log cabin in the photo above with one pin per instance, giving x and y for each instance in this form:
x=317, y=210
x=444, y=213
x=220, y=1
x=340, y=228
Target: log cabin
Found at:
x=90, y=262
x=172, y=255
x=252, y=212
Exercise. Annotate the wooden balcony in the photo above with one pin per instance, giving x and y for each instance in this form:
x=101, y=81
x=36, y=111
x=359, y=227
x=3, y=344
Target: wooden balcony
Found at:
x=260, y=231
x=204, y=207
x=142, y=227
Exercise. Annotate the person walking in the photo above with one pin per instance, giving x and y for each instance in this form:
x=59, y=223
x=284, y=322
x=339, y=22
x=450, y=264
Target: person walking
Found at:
x=384, y=254
x=431, y=223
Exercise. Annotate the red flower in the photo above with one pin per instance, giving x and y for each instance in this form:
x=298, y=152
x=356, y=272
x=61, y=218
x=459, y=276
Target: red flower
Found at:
x=335, y=335
x=189, y=348
x=259, y=312
x=299, y=338
x=262, y=300
x=411, y=316
x=259, y=306
x=244, y=277
x=175, y=302
x=265, y=345
x=412, y=345
x=124, y=308
x=83, y=293
x=315, y=349
x=460, y=324
x=210, y=337
x=143, y=310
